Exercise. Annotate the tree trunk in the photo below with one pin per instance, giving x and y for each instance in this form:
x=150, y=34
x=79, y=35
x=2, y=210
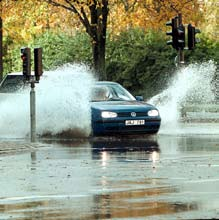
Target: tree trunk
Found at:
x=95, y=27
x=99, y=58
x=1, y=51
x=98, y=34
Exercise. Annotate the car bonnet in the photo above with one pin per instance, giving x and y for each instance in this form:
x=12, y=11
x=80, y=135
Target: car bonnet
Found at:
x=122, y=105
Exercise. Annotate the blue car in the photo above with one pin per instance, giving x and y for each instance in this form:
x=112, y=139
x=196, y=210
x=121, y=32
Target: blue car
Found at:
x=116, y=111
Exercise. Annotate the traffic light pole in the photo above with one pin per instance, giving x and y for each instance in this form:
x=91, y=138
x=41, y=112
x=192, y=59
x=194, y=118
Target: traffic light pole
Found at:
x=32, y=112
x=38, y=71
x=181, y=60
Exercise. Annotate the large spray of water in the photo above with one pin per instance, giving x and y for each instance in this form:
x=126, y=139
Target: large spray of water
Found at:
x=62, y=102
x=191, y=84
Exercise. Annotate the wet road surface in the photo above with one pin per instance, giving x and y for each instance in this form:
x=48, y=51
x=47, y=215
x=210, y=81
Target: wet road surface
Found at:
x=164, y=177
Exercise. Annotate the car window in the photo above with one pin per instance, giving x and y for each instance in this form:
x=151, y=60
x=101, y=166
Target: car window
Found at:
x=121, y=93
x=100, y=93
x=12, y=83
x=110, y=92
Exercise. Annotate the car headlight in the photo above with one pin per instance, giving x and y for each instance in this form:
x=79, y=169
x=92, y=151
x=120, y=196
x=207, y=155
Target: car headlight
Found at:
x=153, y=112
x=106, y=114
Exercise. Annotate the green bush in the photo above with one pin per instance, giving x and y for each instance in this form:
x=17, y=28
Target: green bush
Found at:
x=140, y=61
x=58, y=49
x=11, y=56
x=143, y=63
x=61, y=48
x=205, y=50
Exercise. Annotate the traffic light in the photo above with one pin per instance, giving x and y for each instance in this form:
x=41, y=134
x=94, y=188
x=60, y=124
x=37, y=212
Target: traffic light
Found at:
x=25, y=56
x=38, y=66
x=192, y=41
x=181, y=37
x=173, y=33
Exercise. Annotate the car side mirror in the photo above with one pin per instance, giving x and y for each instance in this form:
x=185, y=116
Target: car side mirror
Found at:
x=139, y=98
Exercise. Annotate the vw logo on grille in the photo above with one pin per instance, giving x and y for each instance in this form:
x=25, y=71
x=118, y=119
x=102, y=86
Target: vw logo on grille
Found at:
x=133, y=114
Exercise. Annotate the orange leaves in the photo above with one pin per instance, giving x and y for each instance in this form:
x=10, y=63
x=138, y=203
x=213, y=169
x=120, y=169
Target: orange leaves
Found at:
x=28, y=18
x=25, y=19
x=20, y=19
x=150, y=14
x=211, y=22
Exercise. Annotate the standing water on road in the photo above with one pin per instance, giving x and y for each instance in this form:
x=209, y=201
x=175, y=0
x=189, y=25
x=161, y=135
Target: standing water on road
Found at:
x=192, y=84
x=62, y=104
x=168, y=178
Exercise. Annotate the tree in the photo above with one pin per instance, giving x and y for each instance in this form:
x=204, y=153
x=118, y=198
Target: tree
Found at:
x=1, y=51
x=1, y=44
x=93, y=15
x=210, y=25
x=27, y=20
x=152, y=14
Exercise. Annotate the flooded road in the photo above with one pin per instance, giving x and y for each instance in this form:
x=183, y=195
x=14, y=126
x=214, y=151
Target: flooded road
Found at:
x=162, y=177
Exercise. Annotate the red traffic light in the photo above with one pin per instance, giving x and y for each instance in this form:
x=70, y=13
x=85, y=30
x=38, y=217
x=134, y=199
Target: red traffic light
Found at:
x=23, y=57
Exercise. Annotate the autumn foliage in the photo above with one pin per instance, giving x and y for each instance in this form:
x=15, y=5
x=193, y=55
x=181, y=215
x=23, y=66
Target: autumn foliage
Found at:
x=25, y=21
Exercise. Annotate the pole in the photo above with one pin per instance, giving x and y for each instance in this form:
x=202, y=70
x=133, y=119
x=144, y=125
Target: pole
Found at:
x=33, y=112
x=181, y=60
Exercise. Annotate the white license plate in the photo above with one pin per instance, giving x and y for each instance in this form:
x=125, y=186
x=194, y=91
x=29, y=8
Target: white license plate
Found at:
x=134, y=122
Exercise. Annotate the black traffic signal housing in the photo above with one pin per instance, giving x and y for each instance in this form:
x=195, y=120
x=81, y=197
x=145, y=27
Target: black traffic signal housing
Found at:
x=181, y=37
x=26, y=59
x=174, y=33
x=192, y=40
x=38, y=66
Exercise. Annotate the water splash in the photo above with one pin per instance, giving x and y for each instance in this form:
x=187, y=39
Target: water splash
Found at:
x=62, y=102
x=191, y=84
x=62, y=98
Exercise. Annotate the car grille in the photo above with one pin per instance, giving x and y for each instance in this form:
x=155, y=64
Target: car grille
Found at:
x=128, y=114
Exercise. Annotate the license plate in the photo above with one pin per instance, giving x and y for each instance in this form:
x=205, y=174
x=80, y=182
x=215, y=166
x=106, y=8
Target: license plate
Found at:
x=134, y=122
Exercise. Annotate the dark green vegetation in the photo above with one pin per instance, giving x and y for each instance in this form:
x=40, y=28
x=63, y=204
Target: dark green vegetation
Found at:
x=139, y=60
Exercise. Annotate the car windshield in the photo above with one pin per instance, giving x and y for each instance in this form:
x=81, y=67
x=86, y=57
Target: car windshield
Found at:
x=12, y=83
x=110, y=92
